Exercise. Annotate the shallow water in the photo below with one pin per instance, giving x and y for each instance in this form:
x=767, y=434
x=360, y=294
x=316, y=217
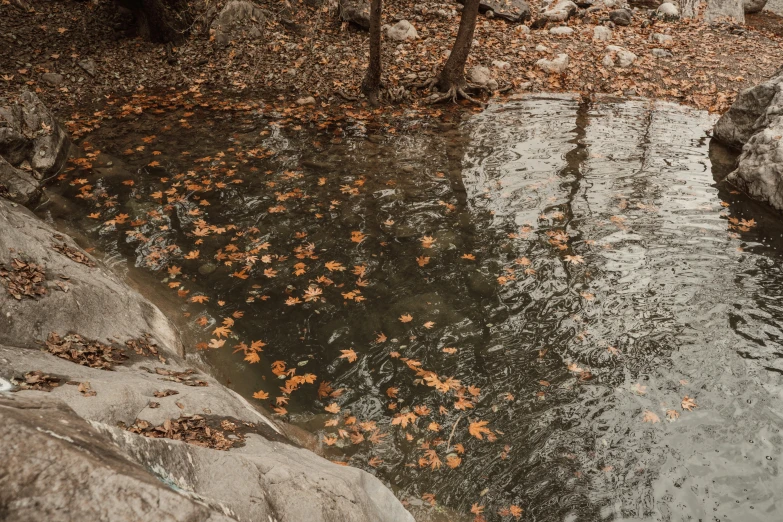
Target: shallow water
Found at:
x=612, y=277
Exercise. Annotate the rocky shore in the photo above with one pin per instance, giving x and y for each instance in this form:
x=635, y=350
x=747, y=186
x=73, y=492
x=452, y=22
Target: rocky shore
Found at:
x=101, y=416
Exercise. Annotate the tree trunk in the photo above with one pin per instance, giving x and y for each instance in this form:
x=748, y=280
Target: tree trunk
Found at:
x=371, y=85
x=453, y=74
x=161, y=21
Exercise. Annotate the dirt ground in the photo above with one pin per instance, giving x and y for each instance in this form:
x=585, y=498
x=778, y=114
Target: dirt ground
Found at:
x=308, y=51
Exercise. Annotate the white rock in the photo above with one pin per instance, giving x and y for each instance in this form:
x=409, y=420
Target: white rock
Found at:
x=479, y=75
x=663, y=39
x=402, y=31
x=619, y=57
x=500, y=64
x=541, y=48
x=602, y=33
x=309, y=100
x=492, y=85
x=561, y=30
x=661, y=53
x=559, y=12
x=668, y=9
x=555, y=66
x=522, y=29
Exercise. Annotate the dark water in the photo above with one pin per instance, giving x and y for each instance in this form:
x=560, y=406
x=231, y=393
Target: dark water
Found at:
x=613, y=277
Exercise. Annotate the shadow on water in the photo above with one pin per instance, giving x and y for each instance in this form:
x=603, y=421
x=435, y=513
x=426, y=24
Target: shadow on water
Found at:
x=578, y=267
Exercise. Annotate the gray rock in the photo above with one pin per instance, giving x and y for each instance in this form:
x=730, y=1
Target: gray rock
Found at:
x=602, y=33
x=16, y=184
x=402, y=31
x=722, y=9
x=522, y=29
x=541, y=48
x=356, y=12
x=558, y=65
x=660, y=53
x=52, y=78
x=307, y=100
x=663, y=39
x=618, y=57
x=558, y=11
x=668, y=10
x=755, y=123
x=76, y=470
x=511, y=10
x=236, y=20
x=753, y=6
x=561, y=30
x=747, y=115
x=88, y=65
x=622, y=17
x=500, y=64
x=29, y=132
x=269, y=478
x=479, y=75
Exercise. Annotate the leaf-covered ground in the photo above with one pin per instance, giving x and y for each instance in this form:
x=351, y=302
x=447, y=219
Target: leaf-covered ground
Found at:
x=308, y=51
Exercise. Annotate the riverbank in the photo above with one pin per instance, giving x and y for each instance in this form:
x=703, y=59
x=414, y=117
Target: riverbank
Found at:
x=93, y=381
x=79, y=57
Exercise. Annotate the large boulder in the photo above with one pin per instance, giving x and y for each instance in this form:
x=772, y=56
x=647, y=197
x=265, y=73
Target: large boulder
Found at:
x=33, y=143
x=748, y=114
x=238, y=19
x=753, y=6
x=356, y=12
x=755, y=123
x=75, y=293
x=511, y=10
x=55, y=466
x=64, y=464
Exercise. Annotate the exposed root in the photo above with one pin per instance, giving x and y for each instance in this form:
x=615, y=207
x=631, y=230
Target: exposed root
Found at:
x=345, y=95
x=425, y=85
x=450, y=94
x=466, y=96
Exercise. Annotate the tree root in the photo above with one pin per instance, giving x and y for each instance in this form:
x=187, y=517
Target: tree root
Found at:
x=455, y=93
x=345, y=95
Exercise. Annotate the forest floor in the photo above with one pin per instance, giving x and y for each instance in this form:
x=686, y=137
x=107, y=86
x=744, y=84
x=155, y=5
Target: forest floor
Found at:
x=307, y=51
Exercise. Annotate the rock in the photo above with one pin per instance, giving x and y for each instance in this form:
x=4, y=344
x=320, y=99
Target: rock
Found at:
x=29, y=132
x=668, y=10
x=269, y=478
x=88, y=65
x=558, y=11
x=499, y=64
x=16, y=184
x=748, y=114
x=541, y=48
x=556, y=66
x=493, y=85
x=755, y=123
x=561, y=30
x=661, y=53
x=522, y=29
x=723, y=9
x=753, y=6
x=91, y=292
x=618, y=57
x=602, y=33
x=77, y=470
x=511, y=10
x=309, y=100
x=402, y=31
x=479, y=75
x=236, y=20
x=663, y=39
x=621, y=17
x=356, y=12
x=52, y=78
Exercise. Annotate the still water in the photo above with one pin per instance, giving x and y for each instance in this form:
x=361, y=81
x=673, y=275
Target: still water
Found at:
x=568, y=278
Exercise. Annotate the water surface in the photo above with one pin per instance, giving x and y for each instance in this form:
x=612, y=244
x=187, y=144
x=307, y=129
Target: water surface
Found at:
x=574, y=265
